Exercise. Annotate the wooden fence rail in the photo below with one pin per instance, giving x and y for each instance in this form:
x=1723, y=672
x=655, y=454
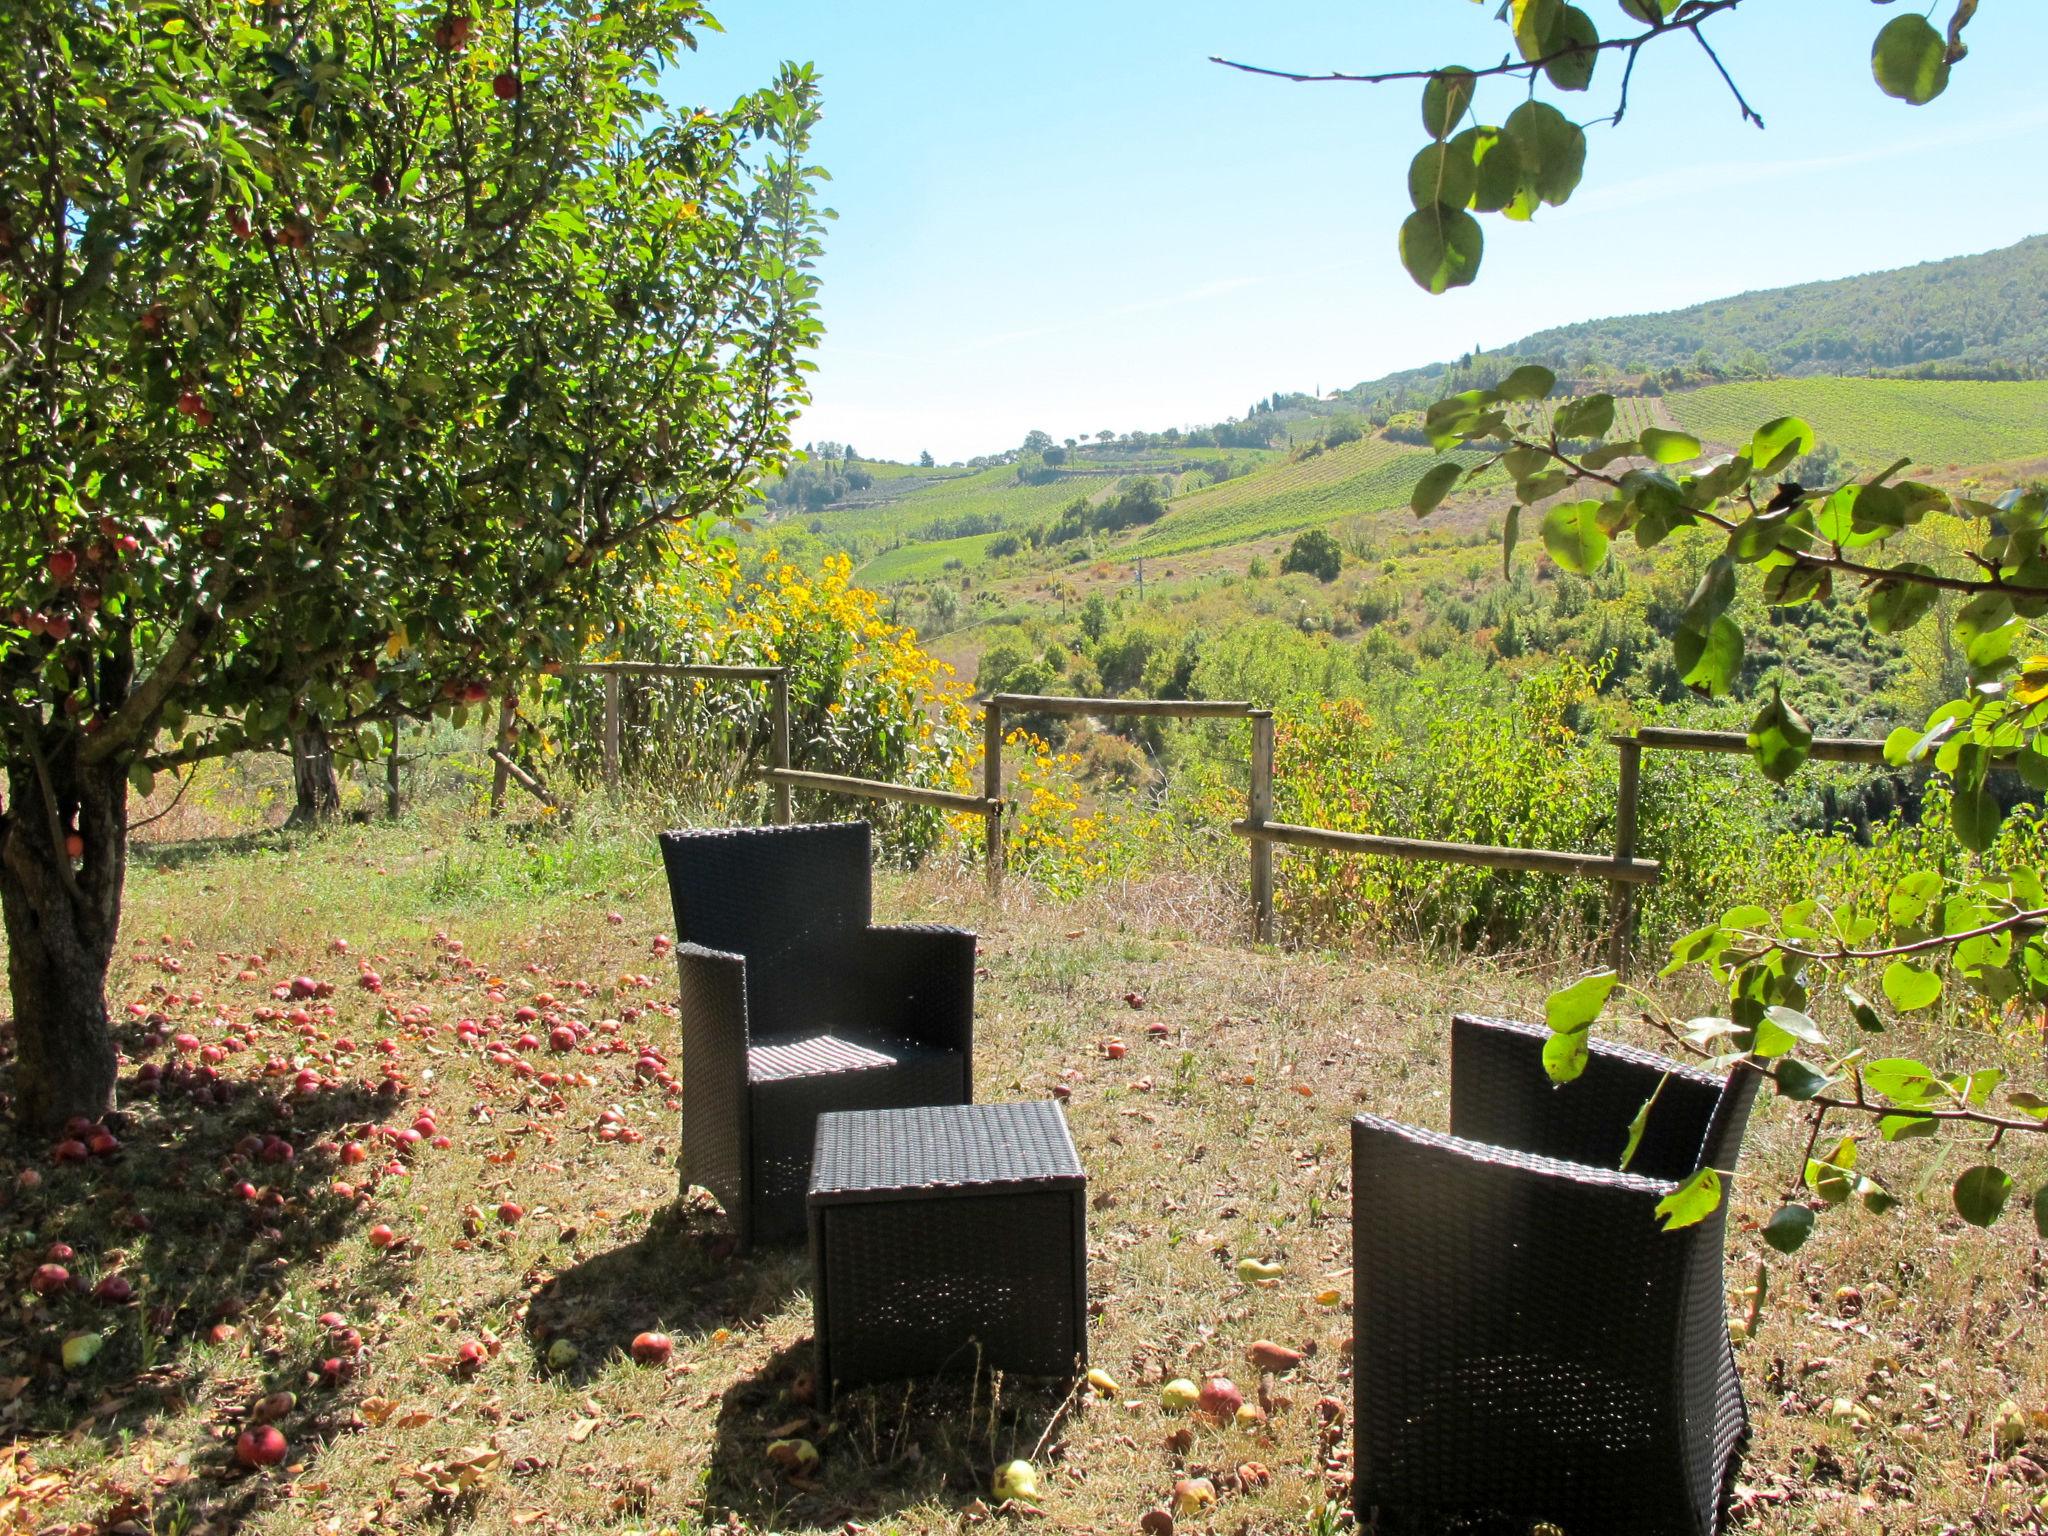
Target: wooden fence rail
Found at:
x=1623, y=871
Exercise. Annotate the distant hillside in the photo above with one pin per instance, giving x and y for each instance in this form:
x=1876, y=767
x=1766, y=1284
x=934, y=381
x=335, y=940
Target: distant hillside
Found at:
x=1984, y=316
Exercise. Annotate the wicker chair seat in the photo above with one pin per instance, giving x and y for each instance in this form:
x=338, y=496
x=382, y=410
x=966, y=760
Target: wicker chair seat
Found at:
x=774, y=1061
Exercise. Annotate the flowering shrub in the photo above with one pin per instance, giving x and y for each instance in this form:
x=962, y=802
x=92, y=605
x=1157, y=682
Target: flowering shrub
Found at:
x=1060, y=835
x=865, y=699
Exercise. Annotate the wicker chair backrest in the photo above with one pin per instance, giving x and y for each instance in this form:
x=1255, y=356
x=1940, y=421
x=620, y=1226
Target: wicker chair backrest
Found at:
x=1722, y=1147
x=765, y=891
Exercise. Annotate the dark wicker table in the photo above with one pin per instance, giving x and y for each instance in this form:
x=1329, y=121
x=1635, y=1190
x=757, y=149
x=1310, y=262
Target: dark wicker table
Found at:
x=948, y=1238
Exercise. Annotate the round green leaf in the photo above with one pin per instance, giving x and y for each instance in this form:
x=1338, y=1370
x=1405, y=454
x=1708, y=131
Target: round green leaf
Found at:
x=1431, y=489
x=1910, y=60
x=1796, y=1080
x=1439, y=174
x=1709, y=663
x=1552, y=149
x=1498, y=164
x=1531, y=381
x=1780, y=738
x=1584, y=416
x=1445, y=99
x=1897, y=604
x=1572, y=534
x=1910, y=987
x=1692, y=1202
x=1789, y=1228
x=1669, y=447
x=1441, y=247
x=1573, y=71
x=1578, y=1005
x=1536, y=24
x=1777, y=443
x=1981, y=1193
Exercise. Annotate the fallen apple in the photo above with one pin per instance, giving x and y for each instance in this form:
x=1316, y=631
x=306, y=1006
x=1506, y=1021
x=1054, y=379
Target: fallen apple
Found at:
x=794, y=1456
x=1219, y=1399
x=562, y=1354
x=1016, y=1480
x=49, y=1279
x=274, y=1407
x=1268, y=1356
x=1179, y=1395
x=114, y=1290
x=382, y=1236
x=510, y=1212
x=1102, y=1384
x=1258, y=1272
x=80, y=1349
x=651, y=1348
x=261, y=1446
x=1192, y=1495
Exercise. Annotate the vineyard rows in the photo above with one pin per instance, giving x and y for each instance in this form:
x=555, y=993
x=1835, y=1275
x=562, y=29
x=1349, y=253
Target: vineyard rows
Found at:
x=1872, y=422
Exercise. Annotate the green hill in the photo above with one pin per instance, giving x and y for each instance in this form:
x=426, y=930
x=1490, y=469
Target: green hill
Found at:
x=1968, y=316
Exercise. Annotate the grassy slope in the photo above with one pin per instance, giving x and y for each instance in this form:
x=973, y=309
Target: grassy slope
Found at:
x=1223, y=1138
x=1874, y=421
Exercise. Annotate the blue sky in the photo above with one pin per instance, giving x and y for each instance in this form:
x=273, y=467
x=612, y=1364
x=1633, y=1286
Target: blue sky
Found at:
x=1062, y=216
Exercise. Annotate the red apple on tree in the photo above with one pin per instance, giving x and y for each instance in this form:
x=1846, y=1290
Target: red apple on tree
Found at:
x=505, y=85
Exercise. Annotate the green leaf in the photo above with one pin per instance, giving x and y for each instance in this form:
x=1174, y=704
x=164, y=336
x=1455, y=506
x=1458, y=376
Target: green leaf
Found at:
x=1445, y=99
x=141, y=778
x=2032, y=1105
x=1981, y=1193
x=1510, y=535
x=1832, y=1177
x=1780, y=738
x=1573, y=71
x=1573, y=536
x=1903, y=1081
x=1789, y=1228
x=1907, y=1127
x=1531, y=381
x=1976, y=815
x=1584, y=416
x=1796, y=1080
x=1552, y=149
x=1564, y=1055
x=1669, y=447
x=1439, y=174
x=1913, y=895
x=1782, y=1029
x=1868, y=1019
x=1911, y=987
x=2041, y=1212
x=1692, y=1202
x=1499, y=164
x=1578, y=1005
x=1433, y=487
x=1441, y=247
x=1709, y=663
x=1636, y=1127
x=1876, y=1198
x=1535, y=24
x=1778, y=442
x=1909, y=60
x=1897, y=605
x=1836, y=519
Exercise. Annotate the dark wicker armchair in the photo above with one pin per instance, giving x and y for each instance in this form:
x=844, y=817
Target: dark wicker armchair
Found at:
x=793, y=1002
x=1530, y=1342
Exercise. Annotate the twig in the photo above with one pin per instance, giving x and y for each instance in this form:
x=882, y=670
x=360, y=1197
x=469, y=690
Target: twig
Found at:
x=1918, y=946
x=183, y=784
x=1748, y=112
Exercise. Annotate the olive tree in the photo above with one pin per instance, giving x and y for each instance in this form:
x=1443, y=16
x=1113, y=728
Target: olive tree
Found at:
x=348, y=349
x=1810, y=990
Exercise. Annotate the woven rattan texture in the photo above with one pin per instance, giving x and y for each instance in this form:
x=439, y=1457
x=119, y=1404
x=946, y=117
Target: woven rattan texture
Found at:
x=906, y=1153
x=1529, y=1341
x=993, y=1276
x=792, y=1003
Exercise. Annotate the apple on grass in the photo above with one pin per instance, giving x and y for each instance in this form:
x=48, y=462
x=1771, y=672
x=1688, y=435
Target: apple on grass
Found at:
x=652, y=1348
x=262, y=1445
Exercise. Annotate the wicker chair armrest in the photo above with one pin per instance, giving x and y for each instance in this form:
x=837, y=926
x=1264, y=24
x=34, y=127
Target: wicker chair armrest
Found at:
x=917, y=983
x=717, y=1110
x=1501, y=1096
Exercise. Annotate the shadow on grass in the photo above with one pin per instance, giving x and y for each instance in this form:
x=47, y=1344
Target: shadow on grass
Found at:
x=885, y=1448
x=209, y=1227
x=680, y=1277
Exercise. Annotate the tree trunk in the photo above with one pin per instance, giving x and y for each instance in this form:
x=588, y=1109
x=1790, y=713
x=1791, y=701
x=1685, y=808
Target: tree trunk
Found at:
x=61, y=916
x=313, y=776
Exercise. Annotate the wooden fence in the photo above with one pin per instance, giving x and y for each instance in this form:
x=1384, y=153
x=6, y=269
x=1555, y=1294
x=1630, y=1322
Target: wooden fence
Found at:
x=1623, y=871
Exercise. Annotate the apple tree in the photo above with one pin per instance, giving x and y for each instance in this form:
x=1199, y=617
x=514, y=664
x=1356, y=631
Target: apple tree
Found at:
x=1809, y=991
x=349, y=352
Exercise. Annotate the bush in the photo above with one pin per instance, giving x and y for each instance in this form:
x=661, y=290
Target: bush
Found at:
x=1316, y=553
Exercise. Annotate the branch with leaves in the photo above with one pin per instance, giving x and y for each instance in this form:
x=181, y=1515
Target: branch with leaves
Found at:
x=1536, y=155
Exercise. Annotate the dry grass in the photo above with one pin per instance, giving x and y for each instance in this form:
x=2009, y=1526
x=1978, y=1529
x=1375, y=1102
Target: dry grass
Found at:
x=1221, y=1138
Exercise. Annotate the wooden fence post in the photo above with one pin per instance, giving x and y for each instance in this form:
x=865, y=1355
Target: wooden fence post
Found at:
x=507, y=712
x=391, y=774
x=992, y=792
x=779, y=739
x=611, y=730
x=1621, y=896
x=1259, y=812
